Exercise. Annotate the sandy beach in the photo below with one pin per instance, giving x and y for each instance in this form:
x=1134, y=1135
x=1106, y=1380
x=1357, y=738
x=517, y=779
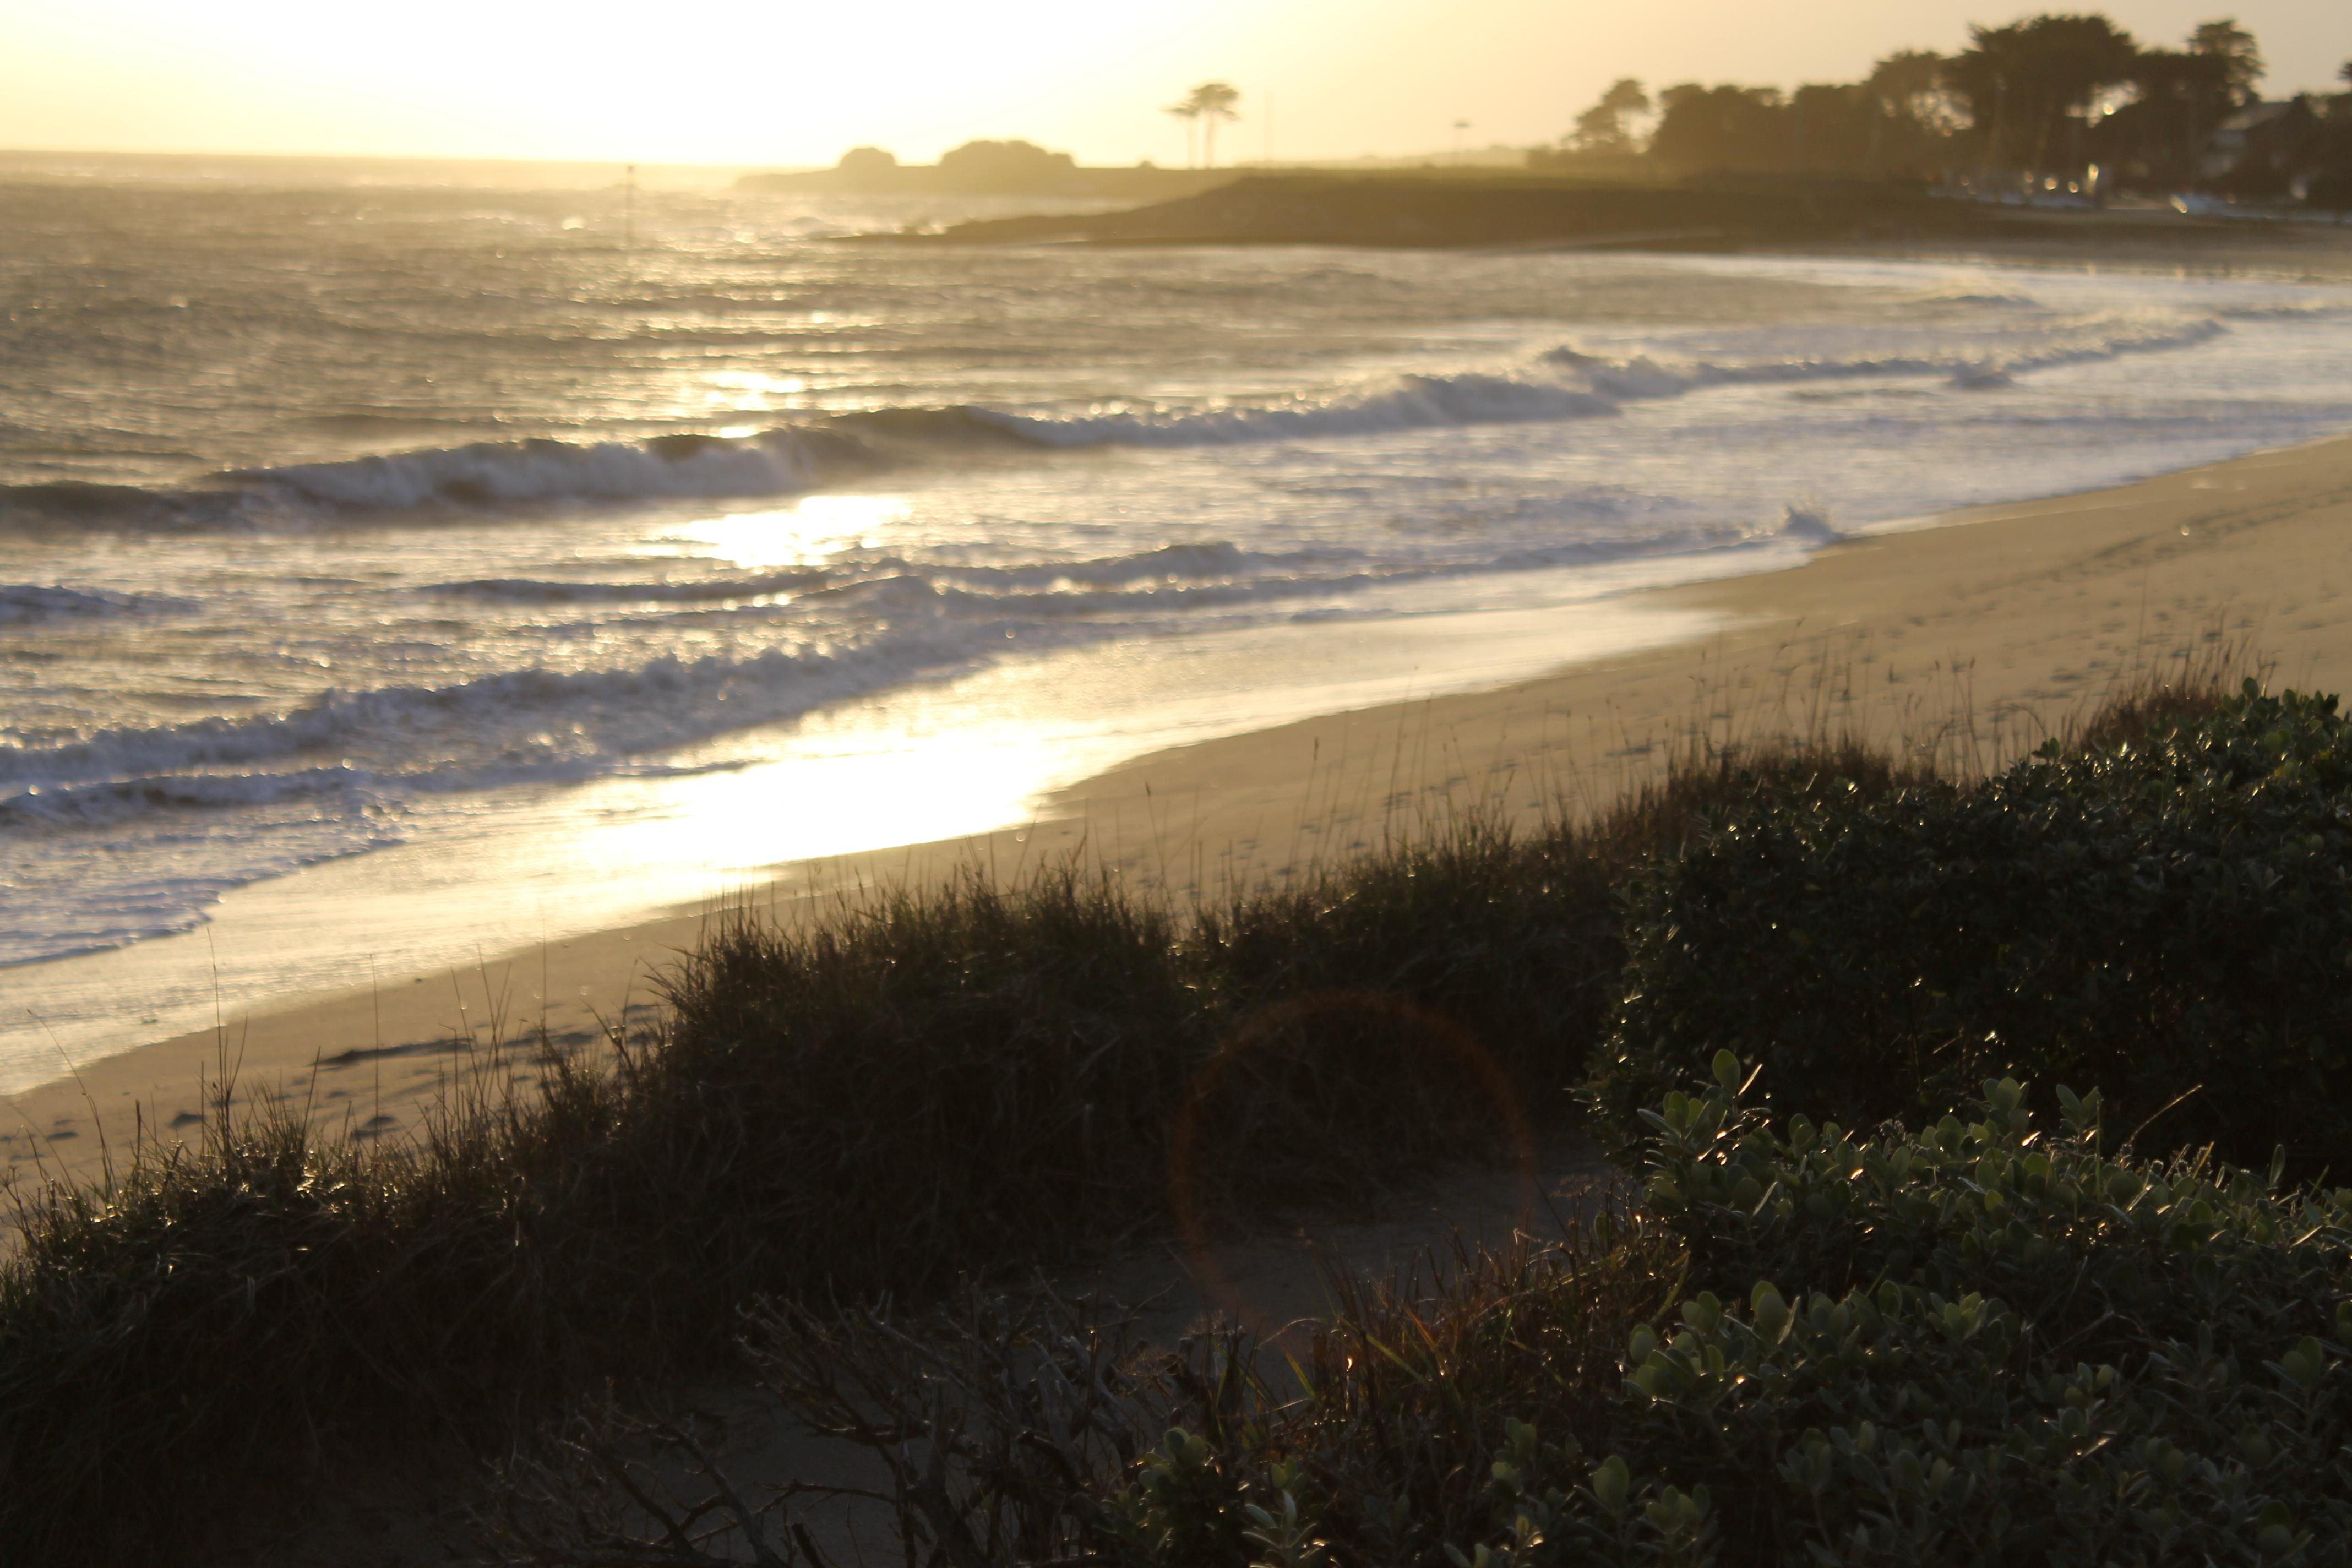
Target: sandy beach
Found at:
x=1973, y=637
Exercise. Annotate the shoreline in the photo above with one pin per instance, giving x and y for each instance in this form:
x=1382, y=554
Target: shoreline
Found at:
x=1517, y=210
x=2006, y=618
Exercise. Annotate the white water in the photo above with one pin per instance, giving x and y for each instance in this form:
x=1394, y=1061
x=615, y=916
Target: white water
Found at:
x=381, y=537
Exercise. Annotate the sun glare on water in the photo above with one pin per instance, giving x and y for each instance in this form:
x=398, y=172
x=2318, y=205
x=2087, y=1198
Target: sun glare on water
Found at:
x=796, y=535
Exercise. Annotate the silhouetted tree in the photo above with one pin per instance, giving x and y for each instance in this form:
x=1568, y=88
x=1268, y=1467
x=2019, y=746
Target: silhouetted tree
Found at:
x=1005, y=167
x=868, y=163
x=2029, y=86
x=1206, y=105
x=1915, y=115
x=1185, y=110
x=2234, y=57
x=2154, y=129
x=1910, y=84
x=1602, y=128
x=2046, y=95
x=1734, y=128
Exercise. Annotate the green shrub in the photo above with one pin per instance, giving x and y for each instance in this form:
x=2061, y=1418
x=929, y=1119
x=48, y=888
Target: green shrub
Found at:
x=2168, y=918
x=1976, y=1344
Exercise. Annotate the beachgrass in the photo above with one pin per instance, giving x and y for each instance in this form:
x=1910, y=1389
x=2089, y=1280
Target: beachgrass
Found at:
x=1991, y=1340
x=922, y=1085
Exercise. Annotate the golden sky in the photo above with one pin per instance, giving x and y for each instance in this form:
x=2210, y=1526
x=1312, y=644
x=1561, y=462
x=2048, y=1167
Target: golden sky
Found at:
x=785, y=81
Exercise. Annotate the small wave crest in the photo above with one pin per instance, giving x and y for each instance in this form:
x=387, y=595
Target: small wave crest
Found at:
x=120, y=800
x=1567, y=383
x=508, y=472
x=1643, y=378
x=479, y=474
x=545, y=591
x=1962, y=294
x=503, y=726
x=1412, y=402
x=30, y=602
x=1206, y=561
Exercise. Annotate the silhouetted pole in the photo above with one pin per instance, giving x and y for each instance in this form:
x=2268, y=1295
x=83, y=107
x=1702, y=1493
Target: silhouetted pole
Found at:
x=629, y=214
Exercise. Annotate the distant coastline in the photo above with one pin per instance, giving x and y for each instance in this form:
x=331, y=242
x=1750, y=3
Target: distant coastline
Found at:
x=1451, y=209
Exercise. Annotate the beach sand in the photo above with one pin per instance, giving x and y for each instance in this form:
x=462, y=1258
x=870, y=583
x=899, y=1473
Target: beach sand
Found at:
x=1974, y=639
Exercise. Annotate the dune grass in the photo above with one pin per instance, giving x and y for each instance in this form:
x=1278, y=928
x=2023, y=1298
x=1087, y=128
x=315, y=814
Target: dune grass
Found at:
x=1994, y=1342
x=967, y=1079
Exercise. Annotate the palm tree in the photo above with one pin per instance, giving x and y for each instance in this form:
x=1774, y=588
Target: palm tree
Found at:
x=1189, y=112
x=1209, y=102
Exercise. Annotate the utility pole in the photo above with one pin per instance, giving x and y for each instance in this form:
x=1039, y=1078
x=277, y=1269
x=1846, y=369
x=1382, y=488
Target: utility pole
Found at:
x=629, y=214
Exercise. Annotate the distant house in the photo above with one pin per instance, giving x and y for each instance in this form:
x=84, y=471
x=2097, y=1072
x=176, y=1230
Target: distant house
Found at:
x=2258, y=151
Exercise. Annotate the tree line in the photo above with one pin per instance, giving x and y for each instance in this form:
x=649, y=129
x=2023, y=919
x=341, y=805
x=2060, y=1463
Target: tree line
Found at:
x=2060, y=101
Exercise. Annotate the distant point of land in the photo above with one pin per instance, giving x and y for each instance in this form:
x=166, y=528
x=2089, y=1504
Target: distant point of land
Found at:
x=991, y=169
x=1451, y=208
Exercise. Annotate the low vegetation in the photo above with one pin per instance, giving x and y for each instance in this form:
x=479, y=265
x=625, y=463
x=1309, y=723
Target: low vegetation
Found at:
x=2166, y=919
x=967, y=1079
x=1971, y=1332
x=1981, y=1342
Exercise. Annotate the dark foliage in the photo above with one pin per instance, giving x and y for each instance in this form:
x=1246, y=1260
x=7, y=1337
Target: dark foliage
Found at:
x=1979, y=1343
x=2171, y=918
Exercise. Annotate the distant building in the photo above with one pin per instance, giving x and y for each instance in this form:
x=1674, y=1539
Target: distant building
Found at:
x=2259, y=149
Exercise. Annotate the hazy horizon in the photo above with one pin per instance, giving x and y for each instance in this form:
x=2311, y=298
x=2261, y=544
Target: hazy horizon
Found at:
x=744, y=85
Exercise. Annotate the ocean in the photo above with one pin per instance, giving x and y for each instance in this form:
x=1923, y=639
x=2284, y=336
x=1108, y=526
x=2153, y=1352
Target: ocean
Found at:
x=467, y=560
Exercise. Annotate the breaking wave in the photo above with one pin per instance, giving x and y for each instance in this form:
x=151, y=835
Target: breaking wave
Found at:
x=118, y=800
x=480, y=474
x=1562, y=385
x=521, y=725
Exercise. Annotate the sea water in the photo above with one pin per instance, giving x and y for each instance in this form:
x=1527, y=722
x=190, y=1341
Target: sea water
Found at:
x=538, y=552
